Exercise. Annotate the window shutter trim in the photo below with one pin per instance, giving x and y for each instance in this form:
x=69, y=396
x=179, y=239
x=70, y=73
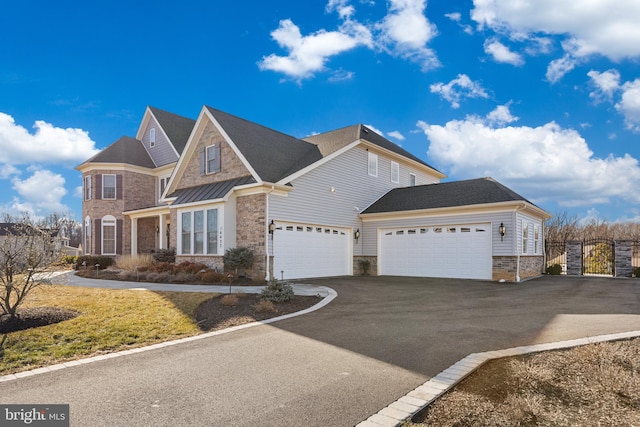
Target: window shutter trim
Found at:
x=97, y=242
x=119, y=226
x=119, y=187
x=98, y=186
x=202, y=162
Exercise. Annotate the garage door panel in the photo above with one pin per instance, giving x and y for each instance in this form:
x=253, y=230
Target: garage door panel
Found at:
x=460, y=251
x=304, y=250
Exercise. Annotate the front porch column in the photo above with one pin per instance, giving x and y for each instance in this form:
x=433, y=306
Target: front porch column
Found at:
x=134, y=236
x=162, y=236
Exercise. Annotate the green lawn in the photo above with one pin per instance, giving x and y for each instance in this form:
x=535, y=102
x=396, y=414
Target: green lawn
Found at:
x=109, y=320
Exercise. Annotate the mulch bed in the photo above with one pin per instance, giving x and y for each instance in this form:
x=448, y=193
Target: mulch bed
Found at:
x=212, y=315
x=34, y=317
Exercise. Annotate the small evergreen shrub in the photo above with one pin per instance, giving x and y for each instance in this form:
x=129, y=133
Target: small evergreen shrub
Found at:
x=277, y=291
x=165, y=255
x=236, y=258
x=554, y=269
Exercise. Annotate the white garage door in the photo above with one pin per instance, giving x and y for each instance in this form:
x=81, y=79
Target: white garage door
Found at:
x=305, y=250
x=457, y=251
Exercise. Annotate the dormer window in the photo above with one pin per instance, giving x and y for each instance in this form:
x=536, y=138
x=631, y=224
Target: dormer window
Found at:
x=152, y=137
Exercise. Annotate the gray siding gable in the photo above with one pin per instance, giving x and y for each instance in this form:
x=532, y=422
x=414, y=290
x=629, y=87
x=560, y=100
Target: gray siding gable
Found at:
x=161, y=151
x=177, y=128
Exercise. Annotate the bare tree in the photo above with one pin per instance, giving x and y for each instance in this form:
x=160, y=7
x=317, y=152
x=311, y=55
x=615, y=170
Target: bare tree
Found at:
x=562, y=227
x=26, y=251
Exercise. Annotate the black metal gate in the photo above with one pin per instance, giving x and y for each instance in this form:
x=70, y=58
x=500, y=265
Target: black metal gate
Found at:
x=556, y=254
x=598, y=257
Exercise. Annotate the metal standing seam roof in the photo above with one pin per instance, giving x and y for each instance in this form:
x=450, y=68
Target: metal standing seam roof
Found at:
x=443, y=195
x=213, y=191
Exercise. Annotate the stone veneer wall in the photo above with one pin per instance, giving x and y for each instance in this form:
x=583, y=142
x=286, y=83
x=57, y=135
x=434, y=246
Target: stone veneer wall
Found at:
x=623, y=256
x=250, y=231
x=373, y=266
x=574, y=257
x=506, y=267
x=232, y=166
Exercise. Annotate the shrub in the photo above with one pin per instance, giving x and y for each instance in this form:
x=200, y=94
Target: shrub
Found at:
x=159, y=277
x=554, y=269
x=165, y=255
x=183, y=277
x=229, y=300
x=163, y=267
x=90, y=261
x=131, y=262
x=211, y=277
x=236, y=258
x=277, y=291
x=68, y=259
x=190, y=267
x=265, y=306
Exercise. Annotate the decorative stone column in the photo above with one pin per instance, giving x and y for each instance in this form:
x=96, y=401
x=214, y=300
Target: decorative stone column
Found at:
x=623, y=254
x=574, y=258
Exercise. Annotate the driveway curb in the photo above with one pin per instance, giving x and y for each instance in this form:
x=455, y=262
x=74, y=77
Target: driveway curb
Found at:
x=329, y=293
x=395, y=414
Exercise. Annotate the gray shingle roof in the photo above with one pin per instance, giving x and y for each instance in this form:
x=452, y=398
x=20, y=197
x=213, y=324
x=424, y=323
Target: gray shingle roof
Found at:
x=444, y=195
x=125, y=150
x=216, y=190
x=273, y=155
x=329, y=142
x=176, y=127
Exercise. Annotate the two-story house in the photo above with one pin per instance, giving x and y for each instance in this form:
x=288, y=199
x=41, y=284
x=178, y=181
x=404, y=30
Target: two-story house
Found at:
x=311, y=207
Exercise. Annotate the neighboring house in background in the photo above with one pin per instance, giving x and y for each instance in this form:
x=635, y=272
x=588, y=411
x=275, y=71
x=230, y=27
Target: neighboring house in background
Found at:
x=312, y=207
x=60, y=243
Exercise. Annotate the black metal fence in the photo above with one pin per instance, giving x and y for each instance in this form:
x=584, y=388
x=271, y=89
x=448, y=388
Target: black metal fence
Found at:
x=556, y=254
x=598, y=257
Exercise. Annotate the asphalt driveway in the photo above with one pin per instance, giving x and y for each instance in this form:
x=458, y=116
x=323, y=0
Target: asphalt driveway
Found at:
x=380, y=338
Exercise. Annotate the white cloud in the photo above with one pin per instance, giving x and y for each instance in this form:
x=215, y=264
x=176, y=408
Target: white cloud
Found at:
x=49, y=144
x=501, y=116
x=7, y=170
x=606, y=27
x=42, y=191
x=309, y=54
x=458, y=88
x=396, y=135
x=606, y=83
x=501, y=53
x=405, y=31
x=376, y=130
x=547, y=163
x=344, y=9
x=454, y=16
x=629, y=104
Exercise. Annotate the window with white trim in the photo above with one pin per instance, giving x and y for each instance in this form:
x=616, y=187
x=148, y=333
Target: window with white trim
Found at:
x=109, y=187
x=87, y=235
x=152, y=137
x=395, y=172
x=412, y=179
x=212, y=154
x=108, y=235
x=87, y=187
x=373, y=164
x=162, y=185
x=525, y=237
x=199, y=232
x=536, y=239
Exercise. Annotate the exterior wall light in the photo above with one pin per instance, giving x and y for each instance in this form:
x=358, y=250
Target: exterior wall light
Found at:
x=356, y=235
x=272, y=228
x=502, y=230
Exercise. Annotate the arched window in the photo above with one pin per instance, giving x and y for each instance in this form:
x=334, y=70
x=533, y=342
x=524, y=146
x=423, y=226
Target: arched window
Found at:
x=87, y=235
x=108, y=235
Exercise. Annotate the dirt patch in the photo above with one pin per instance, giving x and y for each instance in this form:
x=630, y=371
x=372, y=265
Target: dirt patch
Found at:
x=34, y=317
x=214, y=314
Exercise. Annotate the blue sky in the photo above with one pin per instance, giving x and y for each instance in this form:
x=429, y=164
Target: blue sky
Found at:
x=540, y=95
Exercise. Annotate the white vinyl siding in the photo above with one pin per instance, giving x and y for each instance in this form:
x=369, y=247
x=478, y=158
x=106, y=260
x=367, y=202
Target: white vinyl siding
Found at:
x=412, y=179
x=109, y=187
x=312, y=201
x=395, y=172
x=152, y=137
x=373, y=164
x=163, y=152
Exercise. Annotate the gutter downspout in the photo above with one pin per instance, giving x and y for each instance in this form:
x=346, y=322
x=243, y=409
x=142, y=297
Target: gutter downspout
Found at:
x=515, y=221
x=266, y=232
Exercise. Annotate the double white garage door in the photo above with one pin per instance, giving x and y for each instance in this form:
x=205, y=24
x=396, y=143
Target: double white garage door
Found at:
x=305, y=250
x=459, y=251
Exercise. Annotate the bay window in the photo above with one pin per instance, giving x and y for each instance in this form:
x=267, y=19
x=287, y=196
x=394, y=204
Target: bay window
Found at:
x=199, y=232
